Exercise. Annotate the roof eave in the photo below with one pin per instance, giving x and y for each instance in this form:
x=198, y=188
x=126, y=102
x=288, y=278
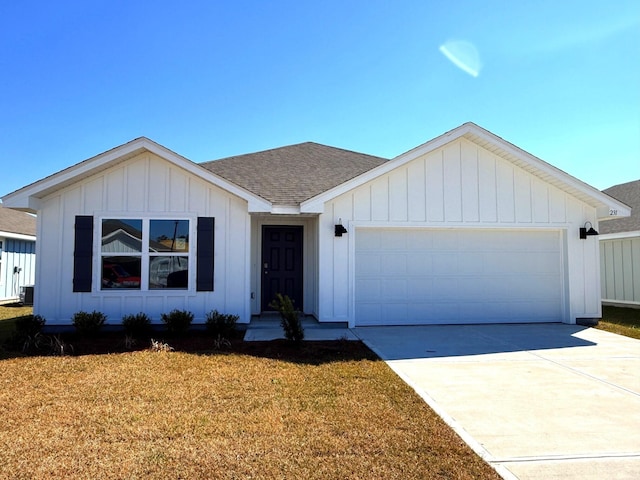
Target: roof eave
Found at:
x=17, y=236
x=619, y=235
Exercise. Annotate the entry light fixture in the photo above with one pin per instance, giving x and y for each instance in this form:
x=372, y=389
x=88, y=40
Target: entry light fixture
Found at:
x=587, y=232
x=339, y=228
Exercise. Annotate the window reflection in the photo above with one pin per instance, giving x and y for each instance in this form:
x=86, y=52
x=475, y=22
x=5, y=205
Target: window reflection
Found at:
x=121, y=272
x=163, y=250
x=168, y=272
x=120, y=236
x=169, y=236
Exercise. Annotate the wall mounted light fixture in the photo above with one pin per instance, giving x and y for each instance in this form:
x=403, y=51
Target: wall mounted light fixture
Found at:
x=339, y=228
x=587, y=232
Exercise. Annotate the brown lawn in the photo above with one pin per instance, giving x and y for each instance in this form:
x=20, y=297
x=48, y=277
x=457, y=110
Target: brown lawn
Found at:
x=263, y=410
x=623, y=321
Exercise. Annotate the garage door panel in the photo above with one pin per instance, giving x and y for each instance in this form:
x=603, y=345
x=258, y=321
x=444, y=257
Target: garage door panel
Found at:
x=420, y=265
x=368, y=243
x=371, y=312
x=394, y=290
x=540, y=287
x=471, y=289
x=424, y=276
x=471, y=263
x=393, y=264
x=445, y=288
x=444, y=263
x=550, y=263
x=419, y=290
x=367, y=264
x=369, y=289
x=446, y=240
x=420, y=242
x=394, y=240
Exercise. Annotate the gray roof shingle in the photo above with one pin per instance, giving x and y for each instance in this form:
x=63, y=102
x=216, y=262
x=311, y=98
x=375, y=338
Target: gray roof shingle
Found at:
x=13, y=221
x=290, y=175
x=628, y=193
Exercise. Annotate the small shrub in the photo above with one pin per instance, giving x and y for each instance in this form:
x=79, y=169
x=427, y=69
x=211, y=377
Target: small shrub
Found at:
x=289, y=318
x=221, y=324
x=88, y=324
x=27, y=336
x=29, y=325
x=136, y=326
x=177, y=321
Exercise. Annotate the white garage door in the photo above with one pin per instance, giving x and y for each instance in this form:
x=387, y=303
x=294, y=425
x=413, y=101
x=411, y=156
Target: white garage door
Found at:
x=407, y=276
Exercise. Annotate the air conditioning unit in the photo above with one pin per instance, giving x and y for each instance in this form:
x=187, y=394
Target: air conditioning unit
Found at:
x=26, y=295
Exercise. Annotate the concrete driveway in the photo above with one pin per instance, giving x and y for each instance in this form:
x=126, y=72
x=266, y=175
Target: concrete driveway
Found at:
x=536, y=401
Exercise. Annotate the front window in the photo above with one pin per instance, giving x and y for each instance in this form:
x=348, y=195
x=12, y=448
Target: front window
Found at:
x=145, y=254
x=168, y=253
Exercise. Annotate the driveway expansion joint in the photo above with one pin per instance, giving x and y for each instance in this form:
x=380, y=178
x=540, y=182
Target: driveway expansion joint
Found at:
x=563, y=458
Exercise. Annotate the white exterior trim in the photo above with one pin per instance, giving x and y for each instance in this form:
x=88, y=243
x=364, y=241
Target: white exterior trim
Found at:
x=619, y=235
x=620, y=303
x=17, y=236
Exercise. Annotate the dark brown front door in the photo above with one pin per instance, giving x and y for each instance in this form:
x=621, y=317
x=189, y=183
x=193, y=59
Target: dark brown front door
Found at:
x=281, y=264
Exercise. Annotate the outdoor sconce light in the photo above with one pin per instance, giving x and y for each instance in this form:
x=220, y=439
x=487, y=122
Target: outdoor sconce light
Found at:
x=340, y=229
x=584, y=232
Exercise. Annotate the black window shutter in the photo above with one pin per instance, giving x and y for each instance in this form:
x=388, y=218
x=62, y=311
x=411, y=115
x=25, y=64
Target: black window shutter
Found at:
x=83, y=253
x=204, y=262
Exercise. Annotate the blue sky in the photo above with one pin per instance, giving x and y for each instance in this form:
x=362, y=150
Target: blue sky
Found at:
x=209, y=79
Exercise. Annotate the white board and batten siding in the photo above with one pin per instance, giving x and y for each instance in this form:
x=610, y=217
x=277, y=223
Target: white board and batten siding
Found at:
x=145, y=186
x=450, y=208
x=620, y=267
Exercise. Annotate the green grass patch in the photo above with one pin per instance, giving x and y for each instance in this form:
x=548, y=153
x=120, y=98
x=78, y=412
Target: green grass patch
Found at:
x=620, y=320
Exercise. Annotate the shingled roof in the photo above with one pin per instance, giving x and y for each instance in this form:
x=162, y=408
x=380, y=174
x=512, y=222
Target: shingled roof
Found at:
x=293, y=174
x=12, y=221
x=628, y=193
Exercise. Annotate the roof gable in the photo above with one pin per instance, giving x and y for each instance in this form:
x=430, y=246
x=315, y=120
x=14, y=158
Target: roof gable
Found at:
x=16, y=223
x=28, y=198
x=496, y=145
x=290, y=175
x=629, y=193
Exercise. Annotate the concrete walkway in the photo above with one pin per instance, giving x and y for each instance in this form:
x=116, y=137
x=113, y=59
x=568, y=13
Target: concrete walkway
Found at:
x=536, y=401
x=267, y=327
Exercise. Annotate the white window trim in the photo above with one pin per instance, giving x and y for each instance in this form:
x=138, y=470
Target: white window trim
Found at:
x=97, y=289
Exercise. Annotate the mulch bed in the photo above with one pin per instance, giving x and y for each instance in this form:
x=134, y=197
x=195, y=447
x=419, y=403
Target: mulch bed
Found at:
x=199, y=342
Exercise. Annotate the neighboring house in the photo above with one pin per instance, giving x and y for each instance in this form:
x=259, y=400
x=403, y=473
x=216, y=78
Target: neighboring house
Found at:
x=466, y=228
x=620, y=250
x=17, y=253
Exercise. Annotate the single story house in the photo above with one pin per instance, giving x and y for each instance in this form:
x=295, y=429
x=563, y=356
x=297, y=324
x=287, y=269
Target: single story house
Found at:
x=466, y=228
x=17, y=253
x=620, y=250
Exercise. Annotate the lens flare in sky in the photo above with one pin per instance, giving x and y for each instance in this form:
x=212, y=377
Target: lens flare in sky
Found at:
x=463, y=55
